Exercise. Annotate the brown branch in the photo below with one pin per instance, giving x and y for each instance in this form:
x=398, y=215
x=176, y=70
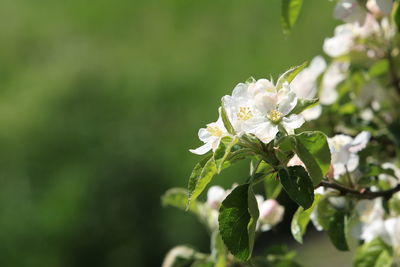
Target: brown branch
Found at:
x=365, y=194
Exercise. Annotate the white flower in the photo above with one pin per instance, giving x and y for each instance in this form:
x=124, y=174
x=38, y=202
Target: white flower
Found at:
x=393, y=181
x=215, y=195
x=380, y=7
x=370, y=213
x=305, y=86
x=349, y=11
x=334, y=75
x=344, y=152
x=392, y=227
x=271, y=213
x=346, y=36
x=211, y=136
x=258, y=108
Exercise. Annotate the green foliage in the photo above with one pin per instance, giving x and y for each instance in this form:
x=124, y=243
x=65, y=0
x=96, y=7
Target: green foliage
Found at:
x=396, y=16
x=223, y=151
x=276, y=256
x=178, y=198
x=373, y=254
x=338, y=230
x=225, y=119
x=218, y=250
x=379, y=68
x=301, y=219
x=182, y=256
x=272, y=186
x=201, y=176
x=289, y=75
x=289, y=14
x=237, y=221
x=312, y=148
x=303, y=104
x=298, y=185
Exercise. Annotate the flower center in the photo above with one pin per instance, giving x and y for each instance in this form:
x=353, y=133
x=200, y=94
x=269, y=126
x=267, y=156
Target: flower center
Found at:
x=244, y=114
x=275, y=116
x=214, y=130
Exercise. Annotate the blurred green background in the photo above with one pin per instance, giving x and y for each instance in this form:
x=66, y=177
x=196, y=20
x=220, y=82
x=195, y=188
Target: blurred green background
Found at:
x=100, y=102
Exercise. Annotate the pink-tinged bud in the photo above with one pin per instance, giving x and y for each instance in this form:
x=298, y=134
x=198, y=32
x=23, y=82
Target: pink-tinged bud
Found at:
x=295, y=161
x=271, y=212
x=215, y=196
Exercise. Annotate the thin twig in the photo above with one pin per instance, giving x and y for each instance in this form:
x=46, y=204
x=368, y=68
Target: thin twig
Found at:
x=365, y=194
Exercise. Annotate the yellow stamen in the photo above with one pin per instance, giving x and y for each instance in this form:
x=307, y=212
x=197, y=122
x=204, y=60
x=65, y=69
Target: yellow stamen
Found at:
x=214, y=130
x=275, y=116
x=244, y=114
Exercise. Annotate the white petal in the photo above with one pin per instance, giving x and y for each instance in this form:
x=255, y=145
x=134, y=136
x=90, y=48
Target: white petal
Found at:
x=312, y=113
x=201, y=150
x=240, y=90
x=360, y=142
x=287, y=100
x=338, y=169
x=292, y=122
x=266, y=132
x=317, y=66
x=204, y=135
x=349, y=11
x=352, y=163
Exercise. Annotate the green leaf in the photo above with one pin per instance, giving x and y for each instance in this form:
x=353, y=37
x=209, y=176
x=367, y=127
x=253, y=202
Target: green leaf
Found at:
x=378, y=68
x=338, y=230
x=301, y=219
x=289, y=14
x=312, y=148
x=289, y=75
x=298, y=185
x=396, y=17
x=223, y=151
x=178, y=197
x=201, y=176
x=218, y=250
x=237, y=219
x=181, y=256
x=303, y=104
x=373, y=254
x=272, y=186
x=225, y=120
x=284, y=148
x=325, y=211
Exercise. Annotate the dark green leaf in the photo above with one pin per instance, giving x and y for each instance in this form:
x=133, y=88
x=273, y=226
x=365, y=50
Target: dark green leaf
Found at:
x=237, y=221
x=312, y=148
x=298, y=185
x=338, y=230
x=396, y=17
x=201, y=175
x=289, y=75
x=301, y=219
x=290, y=12
x=223, y=151
x=373, y=254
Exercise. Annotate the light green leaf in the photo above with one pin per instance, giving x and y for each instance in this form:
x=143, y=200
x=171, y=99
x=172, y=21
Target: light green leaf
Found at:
x=312, y=148
x=218, y=250
x=201, y=176
x=298, y=185
x=238, y=216
x=379, y=67
x=225, y=120
x=373, y=254
x=301, y=219
x=303, y=104
x=272, y=186
x=338, y=230
x=223, y=151
x=182, y=256
x=289, y=75
x=396, y=16
x=324, y=212
x=290, y=12
x=178, y=197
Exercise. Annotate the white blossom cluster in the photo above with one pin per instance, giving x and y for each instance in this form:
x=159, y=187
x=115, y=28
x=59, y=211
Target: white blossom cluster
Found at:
x=271, y=212
x=255, y=107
